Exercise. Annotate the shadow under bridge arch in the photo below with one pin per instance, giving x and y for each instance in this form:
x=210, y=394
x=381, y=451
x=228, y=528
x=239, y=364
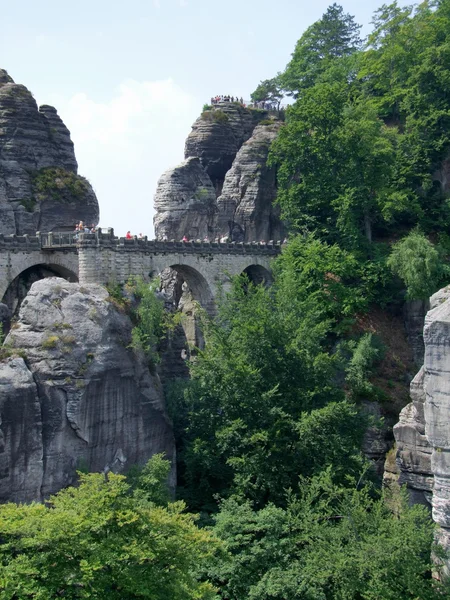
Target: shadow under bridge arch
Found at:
x=189, y=280
x=22, y=282
x=258, y=274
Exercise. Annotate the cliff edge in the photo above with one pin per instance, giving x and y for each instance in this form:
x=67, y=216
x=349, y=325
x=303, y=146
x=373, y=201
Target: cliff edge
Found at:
x=40, y=188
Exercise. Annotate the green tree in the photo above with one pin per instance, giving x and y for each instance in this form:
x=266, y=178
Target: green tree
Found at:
x=268, y=90
x=334, y=36
x=337, y=167
x=262, y=403
x=418, y=263
x=101, y=540
x=328, y=543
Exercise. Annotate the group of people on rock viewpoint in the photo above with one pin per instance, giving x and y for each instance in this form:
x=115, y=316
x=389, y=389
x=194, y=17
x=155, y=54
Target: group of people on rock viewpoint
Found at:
x=217, y=99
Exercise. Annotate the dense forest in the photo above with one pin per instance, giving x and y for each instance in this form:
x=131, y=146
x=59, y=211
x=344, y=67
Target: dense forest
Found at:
x=269, y=427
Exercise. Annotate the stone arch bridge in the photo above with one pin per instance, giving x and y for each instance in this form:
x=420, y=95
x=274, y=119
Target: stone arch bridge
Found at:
x=103, y=258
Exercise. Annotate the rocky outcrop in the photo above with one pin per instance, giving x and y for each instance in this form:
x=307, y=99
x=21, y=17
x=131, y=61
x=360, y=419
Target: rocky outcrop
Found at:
x=423, y=432
x=39, y=185
x=413, y=449
x=246, y=209
x=73, y=395
x=414, y=312
x=225, y=187
x=185, y=203
x=218, y=134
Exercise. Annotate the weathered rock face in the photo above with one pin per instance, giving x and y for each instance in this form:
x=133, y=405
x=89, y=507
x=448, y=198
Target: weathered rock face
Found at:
x=414, y=312
x=5, y=318
x=179, y=343
x=217, y=135
x=39, y=185
x=413, y=449
x=185, y=202
x=79, y=398
x=224, y=188
x=246, y=205
x=423, y=433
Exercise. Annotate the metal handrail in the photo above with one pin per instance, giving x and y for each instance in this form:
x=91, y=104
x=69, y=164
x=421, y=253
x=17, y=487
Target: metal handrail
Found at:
x=59, y=239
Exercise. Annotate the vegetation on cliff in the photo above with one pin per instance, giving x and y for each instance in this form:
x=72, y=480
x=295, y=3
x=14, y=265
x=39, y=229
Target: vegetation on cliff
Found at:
x=269, y=425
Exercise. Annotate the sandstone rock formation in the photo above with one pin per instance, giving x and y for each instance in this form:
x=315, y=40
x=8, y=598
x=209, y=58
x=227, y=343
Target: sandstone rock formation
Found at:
x=75, y=395
x=185, y=202
x=217, y=135
x=246, y=205
x=224, y=188
x=39, y=185
x=423, y=433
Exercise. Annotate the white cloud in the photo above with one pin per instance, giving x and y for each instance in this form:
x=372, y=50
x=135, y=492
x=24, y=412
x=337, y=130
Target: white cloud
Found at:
x=123, y=145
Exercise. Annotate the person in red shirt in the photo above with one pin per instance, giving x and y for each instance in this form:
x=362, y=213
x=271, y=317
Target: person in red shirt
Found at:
x=128, y=236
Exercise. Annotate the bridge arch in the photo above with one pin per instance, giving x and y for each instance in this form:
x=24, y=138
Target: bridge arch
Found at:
x=197, y=284
x=25, y=269
x=258, y=274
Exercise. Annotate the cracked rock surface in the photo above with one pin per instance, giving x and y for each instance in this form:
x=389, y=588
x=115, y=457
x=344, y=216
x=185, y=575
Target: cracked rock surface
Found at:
x=423, y=432
x=246, y=209
x=40, y=189
x=77, y=397
x=224, y=188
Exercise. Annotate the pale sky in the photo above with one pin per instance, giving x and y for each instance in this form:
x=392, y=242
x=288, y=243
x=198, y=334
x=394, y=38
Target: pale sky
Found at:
x=129, y=78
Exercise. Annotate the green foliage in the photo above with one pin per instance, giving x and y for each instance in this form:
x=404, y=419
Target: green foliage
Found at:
x=206, y=107
x=215, y=116
x=328, y=543
x=58, y=184
x=102, y=540
x=268, y=90
x=365, y=353
x=418, y=263
x=262, y=405
x=150, y=482
x=334, y=36
x=51, y=341
x=28, y=203
x=151, y=320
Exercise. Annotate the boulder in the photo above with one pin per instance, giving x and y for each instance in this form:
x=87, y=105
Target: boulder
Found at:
x=40, y=188
x=75, y=396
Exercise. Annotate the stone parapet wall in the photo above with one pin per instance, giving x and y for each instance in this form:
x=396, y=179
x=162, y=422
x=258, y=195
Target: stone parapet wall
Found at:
x=103, y=258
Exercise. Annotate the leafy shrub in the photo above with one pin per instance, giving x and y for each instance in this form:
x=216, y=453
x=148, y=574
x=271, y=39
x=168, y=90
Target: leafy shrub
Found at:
x=59, y=184
x=366, y=352
x=28, y=203
x=149, y=317
x=418, y=263
x=216, y=116
x=50, y=342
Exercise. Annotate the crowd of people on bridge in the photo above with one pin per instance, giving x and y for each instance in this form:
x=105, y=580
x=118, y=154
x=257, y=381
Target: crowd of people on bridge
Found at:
x=82, y=228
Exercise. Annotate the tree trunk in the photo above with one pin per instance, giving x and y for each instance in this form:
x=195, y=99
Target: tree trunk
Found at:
x=368, y=226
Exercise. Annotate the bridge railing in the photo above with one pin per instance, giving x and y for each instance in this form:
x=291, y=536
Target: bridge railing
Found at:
x=105, y=237
x=59, y=239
